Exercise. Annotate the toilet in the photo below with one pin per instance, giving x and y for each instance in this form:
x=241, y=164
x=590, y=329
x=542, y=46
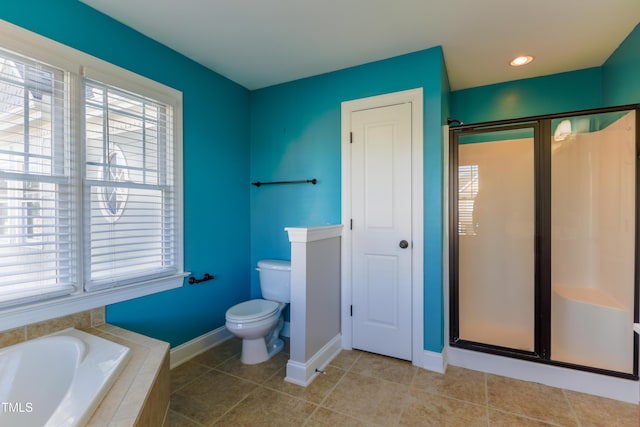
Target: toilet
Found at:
x=259, y=321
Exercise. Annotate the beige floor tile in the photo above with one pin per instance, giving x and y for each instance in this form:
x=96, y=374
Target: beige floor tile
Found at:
x=268, y=408
x=386, y=368
x=427, y=409
x=220, y=353
x=362, y=389
x=324, y=417
x=207, y=398
x=178, y=420
x=258, y=373
x=531, y=400
x=598, y=411
x=185, y=373
x=346, y=359
x=368, y=399
x=459, y=383
x=504, y=419
x=314, y=392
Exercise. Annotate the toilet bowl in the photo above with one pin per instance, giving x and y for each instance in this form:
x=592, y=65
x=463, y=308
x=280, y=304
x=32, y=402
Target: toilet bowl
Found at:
x=259, y=321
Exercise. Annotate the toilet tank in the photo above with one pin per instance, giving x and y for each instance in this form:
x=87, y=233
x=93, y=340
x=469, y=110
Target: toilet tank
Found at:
x=275, y=279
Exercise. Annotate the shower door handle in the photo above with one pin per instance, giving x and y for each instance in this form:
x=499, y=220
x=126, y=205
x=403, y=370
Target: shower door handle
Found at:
x=403, y=244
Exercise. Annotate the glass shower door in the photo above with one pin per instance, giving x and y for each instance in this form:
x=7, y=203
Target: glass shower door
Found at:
x=496, y=238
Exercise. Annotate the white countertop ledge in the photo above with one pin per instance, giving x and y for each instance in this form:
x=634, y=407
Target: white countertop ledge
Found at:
x=311, y=234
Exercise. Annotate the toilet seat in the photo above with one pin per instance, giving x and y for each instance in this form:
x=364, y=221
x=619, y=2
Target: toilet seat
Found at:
x=252, y=310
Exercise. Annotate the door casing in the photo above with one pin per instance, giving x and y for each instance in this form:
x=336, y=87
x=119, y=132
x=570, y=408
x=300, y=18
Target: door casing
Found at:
x=415, y=97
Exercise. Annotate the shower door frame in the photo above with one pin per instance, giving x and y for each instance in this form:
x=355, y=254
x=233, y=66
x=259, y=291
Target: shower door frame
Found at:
x=541, y=126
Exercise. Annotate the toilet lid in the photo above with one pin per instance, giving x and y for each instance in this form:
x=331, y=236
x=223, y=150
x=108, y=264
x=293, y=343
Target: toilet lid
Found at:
x=255, y=309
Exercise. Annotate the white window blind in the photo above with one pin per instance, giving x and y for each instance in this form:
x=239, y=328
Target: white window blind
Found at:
x=468, y=177
x=129, y=187
x=37, y=183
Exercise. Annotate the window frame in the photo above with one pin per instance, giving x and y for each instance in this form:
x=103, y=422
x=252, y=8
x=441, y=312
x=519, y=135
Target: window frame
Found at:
x=79, y=65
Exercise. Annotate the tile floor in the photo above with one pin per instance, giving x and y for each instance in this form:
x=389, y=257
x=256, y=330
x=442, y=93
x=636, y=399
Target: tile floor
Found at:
x=363, y=389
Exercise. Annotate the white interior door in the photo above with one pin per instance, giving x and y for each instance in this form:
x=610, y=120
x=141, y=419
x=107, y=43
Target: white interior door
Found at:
x=381, y=230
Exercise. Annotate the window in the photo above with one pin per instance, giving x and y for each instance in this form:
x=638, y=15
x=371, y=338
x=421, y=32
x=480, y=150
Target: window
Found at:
x=129, y=189
x=467, y=193
x=36, y=190
x=90, y=180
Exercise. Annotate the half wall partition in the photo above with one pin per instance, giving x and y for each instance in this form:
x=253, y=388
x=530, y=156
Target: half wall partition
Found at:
x=544, y=231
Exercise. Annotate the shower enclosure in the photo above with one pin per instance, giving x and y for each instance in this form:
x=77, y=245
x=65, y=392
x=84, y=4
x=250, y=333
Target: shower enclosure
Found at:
x=543, y=250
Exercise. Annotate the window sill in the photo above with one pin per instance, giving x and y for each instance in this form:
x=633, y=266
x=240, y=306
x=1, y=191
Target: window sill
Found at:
x=15, y=317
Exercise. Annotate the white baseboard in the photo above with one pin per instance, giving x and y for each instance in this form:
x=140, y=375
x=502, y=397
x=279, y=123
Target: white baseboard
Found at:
x=555, y=376
x=180, y=354
x=301, y=373
x=436, y=362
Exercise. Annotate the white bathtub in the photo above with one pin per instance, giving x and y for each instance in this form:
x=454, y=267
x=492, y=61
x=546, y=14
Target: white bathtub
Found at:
x=57, y=380
x=590, y=328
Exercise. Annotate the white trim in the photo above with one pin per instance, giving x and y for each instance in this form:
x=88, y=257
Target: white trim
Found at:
x=14, y=317
x=303, y=374
x=311, y=234
x=445, y=236
x=415, y=97
x=436, y=362
x=555, y=376
x=56, y=54
x=184, y=352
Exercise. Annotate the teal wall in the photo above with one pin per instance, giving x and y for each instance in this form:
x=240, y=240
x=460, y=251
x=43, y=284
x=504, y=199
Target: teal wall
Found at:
x=557, y=93
x=621, y=72
x=216, y=170
x=295, y=134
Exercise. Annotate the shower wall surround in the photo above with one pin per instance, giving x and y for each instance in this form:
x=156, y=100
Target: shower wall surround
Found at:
x=593, y=241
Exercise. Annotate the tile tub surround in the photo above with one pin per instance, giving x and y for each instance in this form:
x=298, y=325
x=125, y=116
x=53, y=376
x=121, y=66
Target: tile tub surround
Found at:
x=83, y=320
x=140, y=396
x=363, y=389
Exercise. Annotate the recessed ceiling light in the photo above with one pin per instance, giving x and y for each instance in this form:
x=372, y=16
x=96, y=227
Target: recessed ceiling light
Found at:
x=521, y=60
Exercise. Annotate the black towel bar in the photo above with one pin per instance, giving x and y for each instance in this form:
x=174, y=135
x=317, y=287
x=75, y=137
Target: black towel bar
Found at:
x=207, y=276
x=301, y=181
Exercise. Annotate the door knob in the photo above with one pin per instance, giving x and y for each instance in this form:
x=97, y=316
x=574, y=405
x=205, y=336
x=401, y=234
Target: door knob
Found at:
x=403, y=244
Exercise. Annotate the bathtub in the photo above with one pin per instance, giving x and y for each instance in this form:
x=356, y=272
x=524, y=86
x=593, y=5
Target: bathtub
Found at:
x=590, y=328
x=57, y=380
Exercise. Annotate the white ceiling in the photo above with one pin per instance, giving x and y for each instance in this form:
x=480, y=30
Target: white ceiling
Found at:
x=259, y=43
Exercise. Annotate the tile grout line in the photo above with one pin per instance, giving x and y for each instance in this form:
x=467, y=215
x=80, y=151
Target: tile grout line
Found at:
x=573, y=411
x=234, y=406
x=410, y=387
x=192, y=380
x=519, y=414
x=187, y=417
x=239, y=377
x=446, y=396
x=345, y=372
x=486, y=398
